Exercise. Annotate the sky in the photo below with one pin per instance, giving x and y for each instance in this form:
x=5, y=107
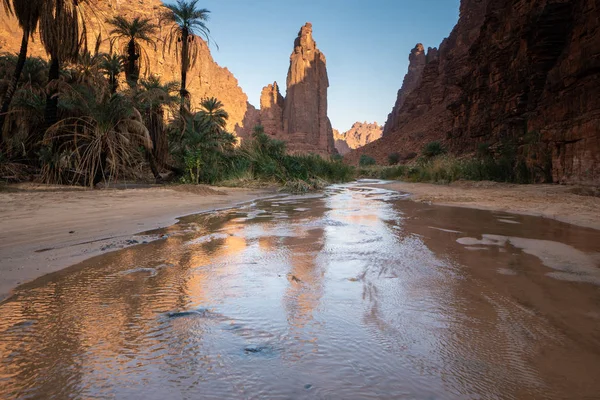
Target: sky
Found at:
x=366, y=43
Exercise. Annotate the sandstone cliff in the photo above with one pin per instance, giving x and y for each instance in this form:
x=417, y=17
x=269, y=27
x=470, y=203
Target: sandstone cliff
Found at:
x=416, y=64
x=340, y=143
x=206, y=79
x=301, y=118
x=360, y=134
x=271, y=110
x=510, y=68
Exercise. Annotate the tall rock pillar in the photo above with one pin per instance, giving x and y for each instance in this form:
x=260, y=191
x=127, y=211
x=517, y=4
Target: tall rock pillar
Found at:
x=305, y=121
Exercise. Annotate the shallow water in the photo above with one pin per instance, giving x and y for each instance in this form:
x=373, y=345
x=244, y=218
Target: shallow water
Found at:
x=354, y=294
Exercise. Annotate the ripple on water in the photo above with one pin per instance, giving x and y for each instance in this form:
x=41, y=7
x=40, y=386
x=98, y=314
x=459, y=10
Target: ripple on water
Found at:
x=207, y=238
x=149, y=272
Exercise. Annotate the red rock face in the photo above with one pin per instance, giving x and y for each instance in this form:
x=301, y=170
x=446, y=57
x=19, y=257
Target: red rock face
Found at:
x=361, y=134
x=301, y=118
x=568, y=108
x=271, y=110
x=510, y=68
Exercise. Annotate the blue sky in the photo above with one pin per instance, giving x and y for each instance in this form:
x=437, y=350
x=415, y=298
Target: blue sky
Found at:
x=366, y=44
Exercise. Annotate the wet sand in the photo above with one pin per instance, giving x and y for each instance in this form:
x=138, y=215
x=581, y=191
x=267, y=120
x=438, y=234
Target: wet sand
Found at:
x=561, y=203
x=47, y=228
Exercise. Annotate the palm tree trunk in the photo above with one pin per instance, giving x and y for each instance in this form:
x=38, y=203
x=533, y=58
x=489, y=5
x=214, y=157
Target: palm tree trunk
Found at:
x=156, y=127
x=51, y=111
x=184, y=69
x=132, y=76
x=114, y=84
x=153, y=166
x=12, y=87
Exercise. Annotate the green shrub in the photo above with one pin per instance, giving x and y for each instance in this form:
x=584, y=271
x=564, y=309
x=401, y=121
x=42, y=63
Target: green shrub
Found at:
x=337, y=158
x=394, y=158
x=397, y=172
x=446, y=169
x=267, y=160
x=433, y=149
x=366, y=161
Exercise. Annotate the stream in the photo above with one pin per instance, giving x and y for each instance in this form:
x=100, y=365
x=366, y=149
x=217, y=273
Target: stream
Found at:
x=354, y=293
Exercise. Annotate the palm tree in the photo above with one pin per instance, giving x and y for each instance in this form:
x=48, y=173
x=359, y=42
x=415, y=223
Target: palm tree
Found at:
x=200, y=143
x=98, y=142
x=87, y=70
x=212, y=116
x=28, y=15
x=62, y=33
x=184, y=37
x=152, y=97
x=135, y=31
x=112, y=65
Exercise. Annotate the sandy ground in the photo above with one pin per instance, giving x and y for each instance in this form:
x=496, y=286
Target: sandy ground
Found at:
x=563, y=203
x=44, y=229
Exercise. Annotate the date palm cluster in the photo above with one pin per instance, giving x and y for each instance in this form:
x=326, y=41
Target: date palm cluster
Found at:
x=80, y=115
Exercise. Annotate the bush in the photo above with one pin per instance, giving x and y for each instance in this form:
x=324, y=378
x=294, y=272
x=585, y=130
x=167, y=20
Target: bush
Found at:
x=366, y=161
x=433, y=149
x=393, y=172
x=394, y=158
x=447, y=169
x=99, y=144
x=337, y=157
x=260, y=159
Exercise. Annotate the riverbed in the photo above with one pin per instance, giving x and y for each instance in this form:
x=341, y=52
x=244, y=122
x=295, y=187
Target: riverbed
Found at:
x=355, y=293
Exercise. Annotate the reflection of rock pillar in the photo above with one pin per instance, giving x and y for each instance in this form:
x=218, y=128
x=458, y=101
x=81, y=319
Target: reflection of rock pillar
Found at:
x=306, y=279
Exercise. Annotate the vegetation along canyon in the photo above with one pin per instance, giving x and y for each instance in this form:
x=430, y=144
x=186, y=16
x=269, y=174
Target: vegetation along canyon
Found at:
x=406, y=207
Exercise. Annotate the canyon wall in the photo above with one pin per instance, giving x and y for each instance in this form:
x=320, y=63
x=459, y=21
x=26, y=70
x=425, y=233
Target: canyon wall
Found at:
x=416, y=64
x=300, y=119
x=340, y=143
x=510, y=69
x=206, y=79
x=360, y=134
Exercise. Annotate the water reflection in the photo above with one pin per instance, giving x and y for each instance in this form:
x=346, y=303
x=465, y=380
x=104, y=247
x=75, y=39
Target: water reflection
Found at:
x=357, y=293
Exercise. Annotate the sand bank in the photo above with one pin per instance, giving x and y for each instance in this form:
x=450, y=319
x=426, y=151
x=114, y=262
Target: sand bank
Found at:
x=47, y=228
x=574, y=205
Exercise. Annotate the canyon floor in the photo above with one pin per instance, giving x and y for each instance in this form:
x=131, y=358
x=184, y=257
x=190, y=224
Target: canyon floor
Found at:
x=47, y=228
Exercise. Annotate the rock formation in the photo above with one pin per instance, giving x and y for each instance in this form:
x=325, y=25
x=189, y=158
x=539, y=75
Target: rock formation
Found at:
x=271, y=110
x=301, y=118
x=360, y=134
x=340, y=143
x=509, y=69
x=416, y=64
x=206, y=79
